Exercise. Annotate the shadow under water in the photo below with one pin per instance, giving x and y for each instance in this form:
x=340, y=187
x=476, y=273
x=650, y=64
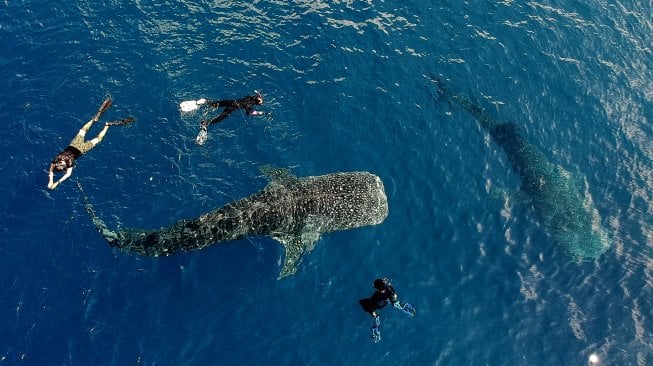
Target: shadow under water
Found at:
x=564, y=207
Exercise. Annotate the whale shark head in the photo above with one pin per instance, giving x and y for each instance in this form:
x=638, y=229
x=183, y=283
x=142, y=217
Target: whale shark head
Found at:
x=312, y=206
x=567, y=210
x=583, y=243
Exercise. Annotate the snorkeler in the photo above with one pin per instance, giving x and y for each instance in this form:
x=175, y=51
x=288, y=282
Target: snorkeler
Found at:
x=230, y=105
x=384, y=293
x=65, y=160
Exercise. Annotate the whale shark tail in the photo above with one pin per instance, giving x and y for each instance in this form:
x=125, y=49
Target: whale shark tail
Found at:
x=461, y=101
x=111, y=236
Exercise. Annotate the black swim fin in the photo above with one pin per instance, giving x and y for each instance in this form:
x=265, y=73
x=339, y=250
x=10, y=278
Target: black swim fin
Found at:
x=122, y=122
x=103, y=108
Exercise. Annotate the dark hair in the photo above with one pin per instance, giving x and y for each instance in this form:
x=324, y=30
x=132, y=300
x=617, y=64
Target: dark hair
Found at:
x=64, y=157
x=381, y=283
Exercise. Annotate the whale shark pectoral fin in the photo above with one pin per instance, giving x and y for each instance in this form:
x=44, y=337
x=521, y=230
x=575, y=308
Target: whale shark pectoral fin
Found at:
x=295, y=246
x=278, y=176
x=290, y=262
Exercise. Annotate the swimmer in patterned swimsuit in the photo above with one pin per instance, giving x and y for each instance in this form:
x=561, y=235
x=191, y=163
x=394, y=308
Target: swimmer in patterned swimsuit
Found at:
x=65, y=160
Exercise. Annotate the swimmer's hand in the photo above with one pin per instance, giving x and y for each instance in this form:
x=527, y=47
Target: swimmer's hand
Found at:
x=256, y=113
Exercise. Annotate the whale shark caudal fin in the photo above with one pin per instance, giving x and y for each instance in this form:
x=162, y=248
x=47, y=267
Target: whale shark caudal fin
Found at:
x=461, y=101
x=111, y=236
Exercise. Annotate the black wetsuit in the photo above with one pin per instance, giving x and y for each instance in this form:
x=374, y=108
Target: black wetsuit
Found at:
x=230, y=106
x=379, y=299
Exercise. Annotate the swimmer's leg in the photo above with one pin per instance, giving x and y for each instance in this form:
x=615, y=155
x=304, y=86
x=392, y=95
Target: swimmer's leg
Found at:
x=204, y=125
x=219, y=103
x=85, y=146
x=225, y=113
x=100, y=135
x=79, y=138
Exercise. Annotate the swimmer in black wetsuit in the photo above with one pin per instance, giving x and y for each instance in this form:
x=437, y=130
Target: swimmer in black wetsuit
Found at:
x=247, y=103
x=65, y=160
x=384, y=294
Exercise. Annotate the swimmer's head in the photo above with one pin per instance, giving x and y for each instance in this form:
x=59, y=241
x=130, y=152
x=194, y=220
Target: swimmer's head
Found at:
x=60, y=164
x=381, y=283
x=258, y=99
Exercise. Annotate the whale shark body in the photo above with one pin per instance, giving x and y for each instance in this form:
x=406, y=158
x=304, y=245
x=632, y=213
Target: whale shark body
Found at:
x=291, y=210
x=566, y=210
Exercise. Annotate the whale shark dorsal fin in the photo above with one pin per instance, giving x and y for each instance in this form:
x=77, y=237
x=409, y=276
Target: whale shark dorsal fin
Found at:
x=295, y=246
x=278, y=176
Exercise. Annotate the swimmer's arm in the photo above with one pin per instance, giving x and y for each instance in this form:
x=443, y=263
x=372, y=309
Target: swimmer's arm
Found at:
x=54, y=185
x=393, y=297
x=51, y=184
x=69, y=171
x=251, y=112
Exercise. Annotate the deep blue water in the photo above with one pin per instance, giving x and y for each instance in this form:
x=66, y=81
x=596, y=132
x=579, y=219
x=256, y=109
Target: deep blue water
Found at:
x=348, y=88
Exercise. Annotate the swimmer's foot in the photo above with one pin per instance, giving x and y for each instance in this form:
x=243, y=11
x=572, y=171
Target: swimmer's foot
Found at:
x=122, y=122
x=202, y=136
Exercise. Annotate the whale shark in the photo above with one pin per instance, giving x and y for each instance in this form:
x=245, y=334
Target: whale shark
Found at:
x=564, y=206
x=294, y=211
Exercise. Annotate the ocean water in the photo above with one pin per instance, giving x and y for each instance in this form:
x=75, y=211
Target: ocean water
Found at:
x=348, y=87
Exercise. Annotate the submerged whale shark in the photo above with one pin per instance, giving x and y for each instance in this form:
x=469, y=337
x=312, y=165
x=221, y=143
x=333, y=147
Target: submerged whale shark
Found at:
x=565, y=208
x=291, y=210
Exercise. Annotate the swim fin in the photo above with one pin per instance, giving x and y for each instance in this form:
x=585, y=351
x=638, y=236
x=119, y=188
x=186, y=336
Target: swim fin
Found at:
x=191, y=105
x=103, y=108
x=407, y=308
x=202, y=136
x=376, y=333
x=122, y=122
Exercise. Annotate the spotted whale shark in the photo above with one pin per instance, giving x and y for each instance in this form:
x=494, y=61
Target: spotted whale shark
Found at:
x=294, y=211
x=560, y=199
